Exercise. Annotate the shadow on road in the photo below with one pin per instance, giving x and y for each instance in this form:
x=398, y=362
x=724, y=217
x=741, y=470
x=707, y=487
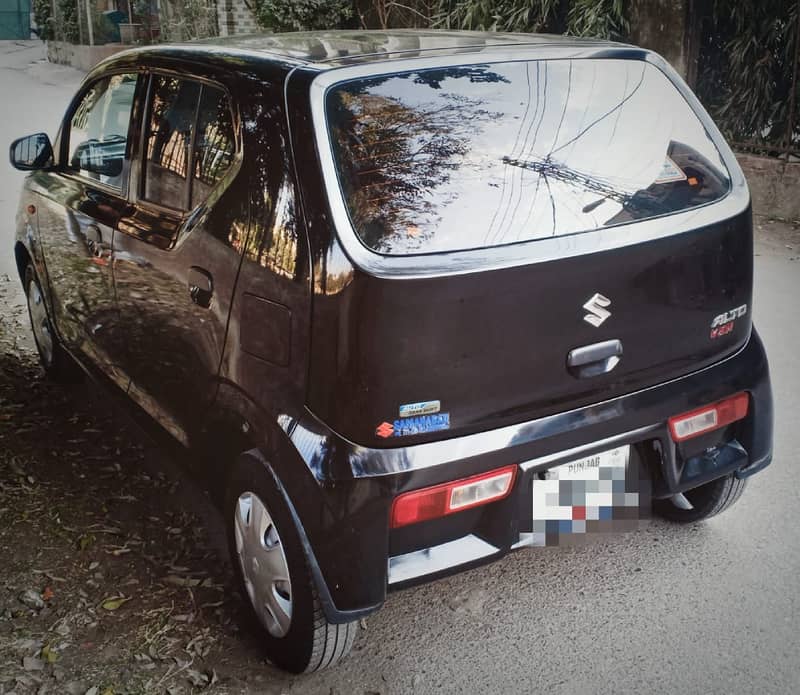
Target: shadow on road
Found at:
x=107, y=576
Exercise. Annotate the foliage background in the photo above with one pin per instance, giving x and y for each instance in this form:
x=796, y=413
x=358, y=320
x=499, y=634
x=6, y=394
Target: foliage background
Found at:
x=746, y=60
x=299, y=15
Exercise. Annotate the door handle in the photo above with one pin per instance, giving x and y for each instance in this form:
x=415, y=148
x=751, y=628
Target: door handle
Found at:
x=594, y=360
x=201, y=286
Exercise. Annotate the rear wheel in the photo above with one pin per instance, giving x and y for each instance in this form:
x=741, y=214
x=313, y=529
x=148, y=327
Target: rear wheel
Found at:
x=274, y=577
x=701, y=502
x=55, y=361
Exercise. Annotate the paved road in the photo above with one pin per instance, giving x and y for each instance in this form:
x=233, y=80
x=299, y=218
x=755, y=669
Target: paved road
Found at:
x=34, y=97
x=709, y=609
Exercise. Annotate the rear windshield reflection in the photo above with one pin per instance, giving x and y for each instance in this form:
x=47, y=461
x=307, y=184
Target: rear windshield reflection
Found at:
x=485, y=155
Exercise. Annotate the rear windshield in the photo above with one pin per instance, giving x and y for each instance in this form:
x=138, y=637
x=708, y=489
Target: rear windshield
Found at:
x=475, y=156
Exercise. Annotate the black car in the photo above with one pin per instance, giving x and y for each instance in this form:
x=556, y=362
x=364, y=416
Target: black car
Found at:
x=408, y=300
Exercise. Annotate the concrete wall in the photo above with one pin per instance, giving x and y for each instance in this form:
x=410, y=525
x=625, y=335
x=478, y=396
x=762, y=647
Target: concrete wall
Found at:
x=81, y=57
x=774, y=185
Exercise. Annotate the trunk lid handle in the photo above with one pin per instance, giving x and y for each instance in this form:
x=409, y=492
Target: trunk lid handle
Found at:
x=595, y=359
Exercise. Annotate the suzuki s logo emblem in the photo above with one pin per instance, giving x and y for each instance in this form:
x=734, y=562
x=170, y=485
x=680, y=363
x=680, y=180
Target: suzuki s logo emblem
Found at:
x=596, y=307
x=384, y=430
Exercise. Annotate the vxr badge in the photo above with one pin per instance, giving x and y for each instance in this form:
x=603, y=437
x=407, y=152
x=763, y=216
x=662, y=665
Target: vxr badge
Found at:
x=596, y=307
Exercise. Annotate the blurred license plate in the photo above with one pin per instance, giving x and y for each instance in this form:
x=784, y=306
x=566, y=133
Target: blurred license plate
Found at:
x=596, y=493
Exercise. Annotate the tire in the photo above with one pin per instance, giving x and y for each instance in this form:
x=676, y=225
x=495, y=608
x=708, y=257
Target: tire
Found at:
x=307, y=642
x=706, y=500
x=57, y=364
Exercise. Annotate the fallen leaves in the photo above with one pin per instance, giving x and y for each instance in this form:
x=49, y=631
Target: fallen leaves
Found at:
x=31, y=663
x=201, y=679
x=52, y=577
x=32, y=599
x=85, y=541
x=48, y=654
x=115, y=602
x=190, y=582
x=95, y=690
x=79, y=504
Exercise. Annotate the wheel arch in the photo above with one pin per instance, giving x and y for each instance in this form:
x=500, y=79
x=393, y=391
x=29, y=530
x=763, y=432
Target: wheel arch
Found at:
x=237, y=426
x=333, y=614
x=23, y=257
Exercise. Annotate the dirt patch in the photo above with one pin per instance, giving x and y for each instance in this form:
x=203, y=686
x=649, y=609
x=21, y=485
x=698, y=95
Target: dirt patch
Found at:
x=110, y=582
x=776, y=238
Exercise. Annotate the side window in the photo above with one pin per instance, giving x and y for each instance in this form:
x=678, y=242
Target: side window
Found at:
x=173, y=107
x=99, y=129
x=215, y=144
x=190, y=142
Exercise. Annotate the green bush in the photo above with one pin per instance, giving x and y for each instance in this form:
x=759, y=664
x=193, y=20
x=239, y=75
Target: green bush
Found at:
x=599, y=18
x=182, y=20
x=602, y=19
x=499, y=15
x=300, y=15
x=42, y=11
x=61, y=27
x=65, y=27
x=746, y=65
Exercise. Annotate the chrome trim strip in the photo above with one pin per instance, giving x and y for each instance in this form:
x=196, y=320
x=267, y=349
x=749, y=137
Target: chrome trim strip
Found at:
x=537, y=250
x=440, y=557
x=586, y=449
x=527, y=540
x=311, y=437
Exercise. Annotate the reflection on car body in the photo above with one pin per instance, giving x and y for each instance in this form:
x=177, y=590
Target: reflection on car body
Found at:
x=390, y=290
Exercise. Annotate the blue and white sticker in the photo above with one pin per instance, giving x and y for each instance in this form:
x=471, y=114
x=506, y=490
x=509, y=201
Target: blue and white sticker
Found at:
x=421, y=424
x=421, y=408
x=405, y=427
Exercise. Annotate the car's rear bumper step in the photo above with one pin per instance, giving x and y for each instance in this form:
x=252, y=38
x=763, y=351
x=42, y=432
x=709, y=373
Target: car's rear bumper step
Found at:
x=446, y=556
x=356, y=485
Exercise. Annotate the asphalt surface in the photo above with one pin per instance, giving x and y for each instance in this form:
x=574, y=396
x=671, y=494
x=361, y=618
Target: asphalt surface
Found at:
x=713, y=608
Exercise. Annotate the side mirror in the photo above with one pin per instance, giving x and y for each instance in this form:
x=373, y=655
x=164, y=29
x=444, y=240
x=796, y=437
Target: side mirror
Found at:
x=31, y=152
x=104, y=158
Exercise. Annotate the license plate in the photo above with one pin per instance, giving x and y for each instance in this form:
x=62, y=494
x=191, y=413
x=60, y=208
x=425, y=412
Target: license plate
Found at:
x=596, y=493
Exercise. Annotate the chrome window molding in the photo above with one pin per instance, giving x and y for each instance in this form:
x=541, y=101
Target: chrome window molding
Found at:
x=733, y=203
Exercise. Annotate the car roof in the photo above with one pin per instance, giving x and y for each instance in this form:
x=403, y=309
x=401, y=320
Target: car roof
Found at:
x=327, y=49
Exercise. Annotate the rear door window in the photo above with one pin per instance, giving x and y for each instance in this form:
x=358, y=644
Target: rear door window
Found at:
x=190, y=142
x=170, y=124
x=475, y=156
x=215, y=144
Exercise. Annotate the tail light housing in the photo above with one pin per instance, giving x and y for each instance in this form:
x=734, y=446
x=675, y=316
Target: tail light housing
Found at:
x=440, y=500
x=709, y=418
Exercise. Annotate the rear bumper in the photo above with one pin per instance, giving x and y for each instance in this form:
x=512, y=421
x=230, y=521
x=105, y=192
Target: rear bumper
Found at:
x=358, y=556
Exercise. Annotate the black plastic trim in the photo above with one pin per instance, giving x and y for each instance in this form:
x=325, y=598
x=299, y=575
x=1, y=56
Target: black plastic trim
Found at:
x=332, y=613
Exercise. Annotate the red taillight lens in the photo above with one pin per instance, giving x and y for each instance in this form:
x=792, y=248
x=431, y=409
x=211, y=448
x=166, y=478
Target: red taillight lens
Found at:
x=711, y=417
x=441, y=500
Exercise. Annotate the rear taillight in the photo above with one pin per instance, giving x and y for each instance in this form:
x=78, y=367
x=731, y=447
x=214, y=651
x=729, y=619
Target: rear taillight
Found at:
x=441, y=500
x=711, y=417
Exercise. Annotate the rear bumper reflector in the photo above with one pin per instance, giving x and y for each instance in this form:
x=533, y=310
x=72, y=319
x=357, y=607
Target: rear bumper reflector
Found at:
x=709, y=418
x=441, y=500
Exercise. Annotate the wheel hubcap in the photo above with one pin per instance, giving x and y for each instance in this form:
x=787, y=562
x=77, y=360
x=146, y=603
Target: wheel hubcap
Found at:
x=263, y=564
x=40, y=323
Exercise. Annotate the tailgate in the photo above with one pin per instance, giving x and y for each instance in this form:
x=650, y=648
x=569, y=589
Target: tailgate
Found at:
x=562, y=167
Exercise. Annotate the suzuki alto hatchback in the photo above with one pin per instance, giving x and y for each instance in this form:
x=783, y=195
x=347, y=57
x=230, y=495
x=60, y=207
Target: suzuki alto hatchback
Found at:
x=411, y=299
